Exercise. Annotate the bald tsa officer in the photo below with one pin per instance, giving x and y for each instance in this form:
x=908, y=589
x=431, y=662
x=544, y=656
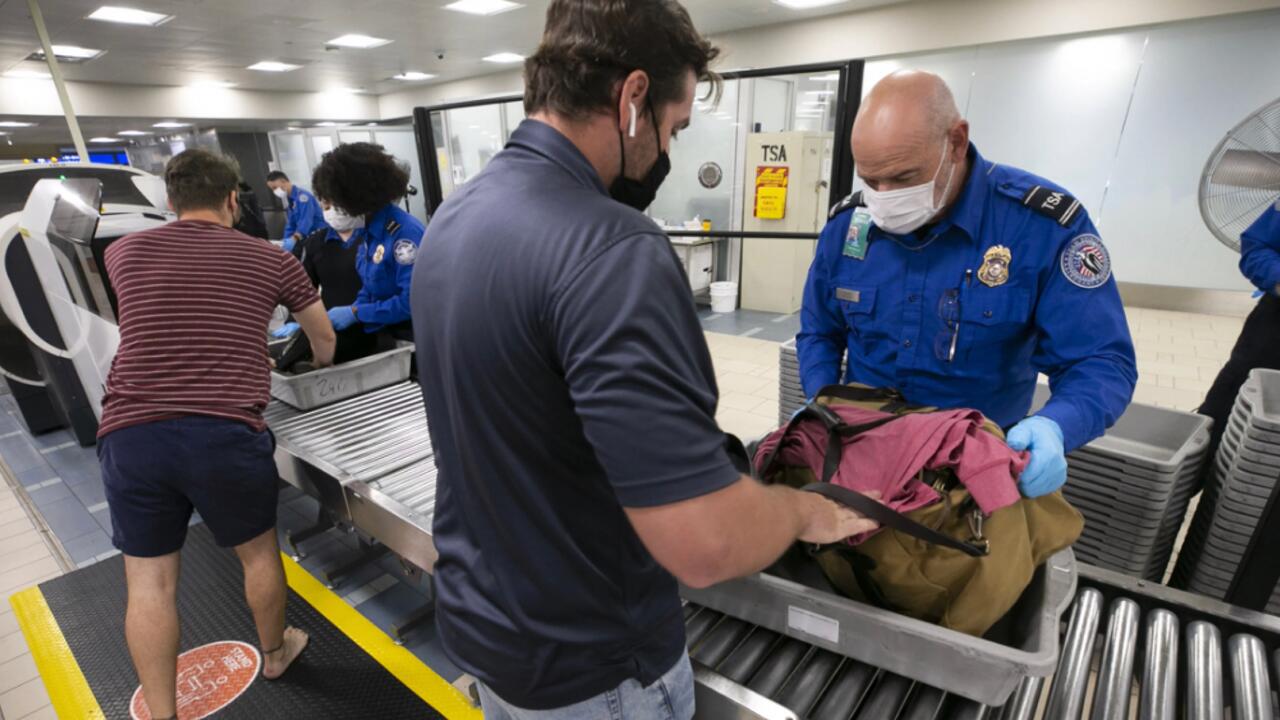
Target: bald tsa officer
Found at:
x=957, y=280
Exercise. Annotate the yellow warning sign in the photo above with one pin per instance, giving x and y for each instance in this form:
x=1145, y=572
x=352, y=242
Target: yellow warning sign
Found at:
x=771, y=192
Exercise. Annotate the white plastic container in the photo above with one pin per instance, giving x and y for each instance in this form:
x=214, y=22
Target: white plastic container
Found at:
x=724, y=297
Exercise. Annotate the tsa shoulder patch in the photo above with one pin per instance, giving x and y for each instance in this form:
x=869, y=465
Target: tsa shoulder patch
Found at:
x=303, y=197
x=1059, y=206
x=405, y=250
x=1086, y=262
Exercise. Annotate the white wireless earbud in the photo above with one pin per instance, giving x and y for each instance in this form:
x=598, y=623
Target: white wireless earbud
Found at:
x=632, y=131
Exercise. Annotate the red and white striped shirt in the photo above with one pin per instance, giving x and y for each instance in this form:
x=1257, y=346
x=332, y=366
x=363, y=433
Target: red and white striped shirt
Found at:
x=194, y=302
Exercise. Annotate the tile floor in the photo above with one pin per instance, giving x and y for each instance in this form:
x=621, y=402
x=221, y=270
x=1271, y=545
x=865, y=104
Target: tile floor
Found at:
x=1178, y=356
x=29, y=557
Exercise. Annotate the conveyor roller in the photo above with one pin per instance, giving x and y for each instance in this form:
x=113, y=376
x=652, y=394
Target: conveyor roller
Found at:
x=1122, y=649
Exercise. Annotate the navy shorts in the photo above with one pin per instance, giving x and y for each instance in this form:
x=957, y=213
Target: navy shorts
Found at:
x=155, y=473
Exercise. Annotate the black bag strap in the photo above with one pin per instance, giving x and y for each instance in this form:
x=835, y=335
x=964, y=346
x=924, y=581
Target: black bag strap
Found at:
x=891, y=518
x=833, y=423
x=837, y=431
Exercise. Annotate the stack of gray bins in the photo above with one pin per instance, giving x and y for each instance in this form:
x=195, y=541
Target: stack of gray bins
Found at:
x=1245, y=472
x=1133, y=486
x=790, y=392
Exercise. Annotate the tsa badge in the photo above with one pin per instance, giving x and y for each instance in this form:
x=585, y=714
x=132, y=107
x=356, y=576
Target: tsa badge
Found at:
x=1086, y=262
x=995, y=266
x=377, y=254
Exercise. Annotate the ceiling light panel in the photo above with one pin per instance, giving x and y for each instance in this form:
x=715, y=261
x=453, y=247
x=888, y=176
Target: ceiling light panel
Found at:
x=103, y=140
x=360, y=42
x=806, y=4
x=483, y=7
x=504, y=58
x=129, y=16
x=170, y=124
x=273, y=66
x=413, y=76
x=69, y=54
x=133, y=133
x=16, y=124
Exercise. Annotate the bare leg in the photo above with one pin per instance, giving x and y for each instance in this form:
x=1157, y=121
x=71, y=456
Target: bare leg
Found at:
x=264, y=588
x=151, y=628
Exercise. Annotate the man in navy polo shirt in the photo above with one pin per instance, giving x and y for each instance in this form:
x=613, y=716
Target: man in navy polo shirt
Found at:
x=571, y=394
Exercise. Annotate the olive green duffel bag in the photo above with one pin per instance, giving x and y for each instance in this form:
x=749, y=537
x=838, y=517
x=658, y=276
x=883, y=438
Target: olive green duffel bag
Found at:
x=946, y=563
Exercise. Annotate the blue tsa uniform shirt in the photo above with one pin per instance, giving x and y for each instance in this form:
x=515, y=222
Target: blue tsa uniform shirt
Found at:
x=1260, y=251
x=965, y=312
x=391, y=240
x=304, y=216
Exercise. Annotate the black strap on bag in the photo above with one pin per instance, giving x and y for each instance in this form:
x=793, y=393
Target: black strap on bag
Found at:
x=837, y=431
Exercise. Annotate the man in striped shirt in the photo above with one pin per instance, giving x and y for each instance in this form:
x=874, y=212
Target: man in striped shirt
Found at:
x=182, y=423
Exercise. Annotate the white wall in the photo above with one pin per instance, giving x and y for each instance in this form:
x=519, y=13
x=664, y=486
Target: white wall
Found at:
x=401, y=104
x=38, y=97
x=936, y=24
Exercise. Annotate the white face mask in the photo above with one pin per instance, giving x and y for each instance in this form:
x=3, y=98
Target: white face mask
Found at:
x=280, y=193
x=342, y=222
x=902, y=211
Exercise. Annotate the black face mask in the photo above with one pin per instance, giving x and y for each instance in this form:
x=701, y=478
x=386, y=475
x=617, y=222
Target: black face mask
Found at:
x=639, y=194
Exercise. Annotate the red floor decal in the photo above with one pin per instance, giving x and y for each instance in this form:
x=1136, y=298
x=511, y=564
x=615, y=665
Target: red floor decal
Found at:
x=210, y=678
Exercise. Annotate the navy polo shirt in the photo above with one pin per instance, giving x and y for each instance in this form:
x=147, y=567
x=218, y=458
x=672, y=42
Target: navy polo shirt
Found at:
x=566, y=377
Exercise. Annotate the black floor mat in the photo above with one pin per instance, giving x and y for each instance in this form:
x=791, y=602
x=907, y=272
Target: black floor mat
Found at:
x=334, y=678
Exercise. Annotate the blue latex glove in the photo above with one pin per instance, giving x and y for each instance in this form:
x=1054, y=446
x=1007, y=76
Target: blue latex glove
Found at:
x=288, y=244
x=342, y=317
x=285, y=330
x=1047, y=470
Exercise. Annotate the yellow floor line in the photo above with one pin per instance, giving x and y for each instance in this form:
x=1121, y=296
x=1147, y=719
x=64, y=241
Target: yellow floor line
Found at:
x=68, y=690
x=398, y=661
x=72, y=698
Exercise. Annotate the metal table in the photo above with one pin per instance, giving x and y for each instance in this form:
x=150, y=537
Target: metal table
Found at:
x=369, y=462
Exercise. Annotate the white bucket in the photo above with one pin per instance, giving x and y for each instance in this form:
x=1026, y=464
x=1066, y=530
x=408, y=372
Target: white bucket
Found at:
x=724, y=297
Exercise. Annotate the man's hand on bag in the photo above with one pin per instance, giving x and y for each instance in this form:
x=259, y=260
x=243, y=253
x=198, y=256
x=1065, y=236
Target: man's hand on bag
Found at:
x=1047, y=470
x=828, y=521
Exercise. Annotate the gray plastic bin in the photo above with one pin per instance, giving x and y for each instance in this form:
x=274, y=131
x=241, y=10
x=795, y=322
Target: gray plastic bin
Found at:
x=340, y=382
x=979, y=669
x=1133, y=486
x=1245, y=472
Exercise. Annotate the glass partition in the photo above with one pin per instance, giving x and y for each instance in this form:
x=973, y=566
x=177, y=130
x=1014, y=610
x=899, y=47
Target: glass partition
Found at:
x=291, y=156
x=475, y=134
x=400, y=143
x=770, y=135
x=297, y=152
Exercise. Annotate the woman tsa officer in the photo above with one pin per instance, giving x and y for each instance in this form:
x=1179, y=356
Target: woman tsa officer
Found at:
x=360, y=184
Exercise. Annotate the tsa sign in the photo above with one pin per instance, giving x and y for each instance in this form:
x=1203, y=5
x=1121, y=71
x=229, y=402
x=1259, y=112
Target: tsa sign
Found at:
x=771, y=192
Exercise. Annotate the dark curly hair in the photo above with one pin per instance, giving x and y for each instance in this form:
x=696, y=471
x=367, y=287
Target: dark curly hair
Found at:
x=360, y=178
x=590, y=46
